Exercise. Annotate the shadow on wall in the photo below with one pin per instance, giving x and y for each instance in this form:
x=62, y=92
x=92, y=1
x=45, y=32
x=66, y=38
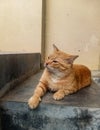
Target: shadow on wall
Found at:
x=15, y=68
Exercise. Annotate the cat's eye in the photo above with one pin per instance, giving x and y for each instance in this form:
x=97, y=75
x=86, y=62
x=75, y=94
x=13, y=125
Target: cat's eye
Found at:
x=55, y=61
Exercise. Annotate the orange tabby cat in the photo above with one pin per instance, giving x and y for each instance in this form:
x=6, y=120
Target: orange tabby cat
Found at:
x=61, y=76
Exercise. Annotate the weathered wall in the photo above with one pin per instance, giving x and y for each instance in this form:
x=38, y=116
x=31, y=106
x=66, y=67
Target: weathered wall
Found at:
x=75, y=27
x=20, y=25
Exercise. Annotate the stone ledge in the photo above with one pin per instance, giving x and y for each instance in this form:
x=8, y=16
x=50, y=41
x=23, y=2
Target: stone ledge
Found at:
x=79, y=111
x=17, y=116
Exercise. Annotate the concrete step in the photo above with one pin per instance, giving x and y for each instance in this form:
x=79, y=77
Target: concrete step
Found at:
x=79, y=111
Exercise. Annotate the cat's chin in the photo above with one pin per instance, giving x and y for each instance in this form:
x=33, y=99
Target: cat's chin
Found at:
x=55, y=72
x=50, y=69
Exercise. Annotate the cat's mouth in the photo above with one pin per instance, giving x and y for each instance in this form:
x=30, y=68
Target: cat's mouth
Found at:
x=47, y=66
x=51, y=69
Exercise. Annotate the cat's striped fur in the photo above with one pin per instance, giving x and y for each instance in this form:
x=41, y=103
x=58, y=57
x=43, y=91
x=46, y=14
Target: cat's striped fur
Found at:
x=60, y=76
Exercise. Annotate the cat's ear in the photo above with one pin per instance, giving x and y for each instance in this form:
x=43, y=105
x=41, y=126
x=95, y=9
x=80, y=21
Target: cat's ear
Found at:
x=55, y=48
x=71, y=59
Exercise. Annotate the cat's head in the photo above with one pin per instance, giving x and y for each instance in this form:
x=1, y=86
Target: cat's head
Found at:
x=59, y=61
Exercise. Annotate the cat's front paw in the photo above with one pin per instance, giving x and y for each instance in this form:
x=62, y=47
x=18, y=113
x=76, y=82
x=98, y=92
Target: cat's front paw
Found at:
x=58, y=96
x=33, y=102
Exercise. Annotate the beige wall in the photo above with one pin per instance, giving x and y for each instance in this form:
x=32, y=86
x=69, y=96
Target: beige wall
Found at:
x=20, y=26
x=74, y=26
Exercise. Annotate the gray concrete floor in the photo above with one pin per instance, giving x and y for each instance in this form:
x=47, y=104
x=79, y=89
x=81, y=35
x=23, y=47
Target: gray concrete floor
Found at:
x=87, y=97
